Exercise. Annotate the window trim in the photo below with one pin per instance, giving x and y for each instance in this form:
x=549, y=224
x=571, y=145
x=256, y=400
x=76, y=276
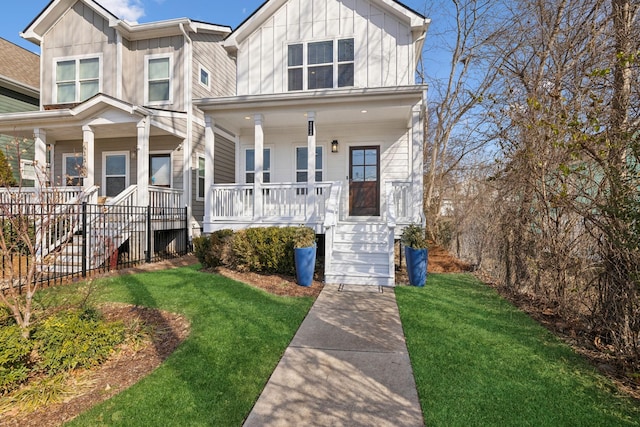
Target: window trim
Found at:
x=65, y=175
x=76, y=59
x=202, y=68
x=305, y=63
x=199, y=177
x=147, y=59
x=127, y=166
x=162, y=153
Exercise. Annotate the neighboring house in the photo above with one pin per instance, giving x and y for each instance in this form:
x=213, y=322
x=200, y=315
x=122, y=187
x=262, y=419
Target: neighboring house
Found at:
x=327, y=121
x=308, y=113
x=19, y=91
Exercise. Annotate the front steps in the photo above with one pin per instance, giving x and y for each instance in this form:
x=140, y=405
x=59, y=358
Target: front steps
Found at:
x=360, y=253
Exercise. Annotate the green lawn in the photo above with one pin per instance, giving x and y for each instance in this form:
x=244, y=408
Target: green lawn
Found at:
x=478, y=361
x=238, y=335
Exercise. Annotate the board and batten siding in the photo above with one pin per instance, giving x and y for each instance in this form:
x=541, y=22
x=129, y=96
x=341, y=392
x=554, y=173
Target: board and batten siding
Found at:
x=384, y=51
x=79, y=32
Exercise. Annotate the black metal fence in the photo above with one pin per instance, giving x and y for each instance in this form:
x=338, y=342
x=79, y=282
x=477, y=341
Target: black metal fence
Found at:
x=52, y=244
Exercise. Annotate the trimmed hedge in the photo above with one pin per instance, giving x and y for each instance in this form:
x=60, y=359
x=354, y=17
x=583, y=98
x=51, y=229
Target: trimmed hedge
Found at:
x=260, y=249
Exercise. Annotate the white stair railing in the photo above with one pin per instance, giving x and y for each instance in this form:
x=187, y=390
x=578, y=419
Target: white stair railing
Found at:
x=332, y=214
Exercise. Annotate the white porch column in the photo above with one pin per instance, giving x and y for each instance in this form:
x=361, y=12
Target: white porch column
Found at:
x=40, y=157
x=311, y=164
x=143, y=161
x=417, y=166
x=88, y=157
x=209, y=148
x=258, y=180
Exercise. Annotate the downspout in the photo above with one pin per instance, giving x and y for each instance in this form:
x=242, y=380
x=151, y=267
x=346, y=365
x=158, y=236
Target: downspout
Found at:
x=119, y=64
x=187, y=146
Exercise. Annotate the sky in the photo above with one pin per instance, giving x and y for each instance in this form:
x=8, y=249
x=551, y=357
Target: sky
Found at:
x=16, y=15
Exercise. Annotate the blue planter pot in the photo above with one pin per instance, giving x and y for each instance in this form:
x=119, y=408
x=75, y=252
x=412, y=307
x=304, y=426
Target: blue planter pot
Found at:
x=305, y=259
x=416, y=265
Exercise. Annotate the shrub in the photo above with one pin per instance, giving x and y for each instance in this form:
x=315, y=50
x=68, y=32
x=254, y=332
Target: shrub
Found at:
x=268, y=250
x=414, y=237
x=14, y=358
x=304, y=237
x=74, y=339
x=214, y=250
x=16, y=230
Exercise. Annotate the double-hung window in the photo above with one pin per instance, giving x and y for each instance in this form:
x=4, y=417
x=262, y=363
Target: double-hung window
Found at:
x=158, y=79
x=250, y=165
x=77, y=79
x=302, y=163
x=116, y=172
x=201, y=180
x=320, y=65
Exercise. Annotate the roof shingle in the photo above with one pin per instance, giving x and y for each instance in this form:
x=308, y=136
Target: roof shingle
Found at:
x=18, y=64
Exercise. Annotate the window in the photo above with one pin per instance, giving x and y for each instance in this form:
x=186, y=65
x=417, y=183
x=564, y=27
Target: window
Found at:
x=158, y=77
x=160, y=170
x=301, y=164
x=328, y=64
x=201, y=181
x=116, y=173
x=72, y=169
x=77, y=79
x=250, y=165
x=204, y=77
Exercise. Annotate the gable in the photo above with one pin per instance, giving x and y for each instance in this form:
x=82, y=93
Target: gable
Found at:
x=384, y=41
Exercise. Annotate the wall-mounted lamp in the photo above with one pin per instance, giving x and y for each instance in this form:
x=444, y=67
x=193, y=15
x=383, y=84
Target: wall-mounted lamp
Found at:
x=334, y=146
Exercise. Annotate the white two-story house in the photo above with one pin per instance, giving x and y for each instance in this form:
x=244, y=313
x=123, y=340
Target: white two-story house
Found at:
x=307, y=113
x=328, y=129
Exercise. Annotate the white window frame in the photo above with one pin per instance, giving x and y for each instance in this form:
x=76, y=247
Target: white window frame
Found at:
x=198, y=178
x=77, y=59
x=305, y=63
x=201, y=68
x=295, y=163
x=148, y=58
x=105, y=154
x=28, y=170
x=244, y=164
x=65, y=156
x=162, y=153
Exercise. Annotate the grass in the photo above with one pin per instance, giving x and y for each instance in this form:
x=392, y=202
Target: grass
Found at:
x=479, y=361
x=238, y=335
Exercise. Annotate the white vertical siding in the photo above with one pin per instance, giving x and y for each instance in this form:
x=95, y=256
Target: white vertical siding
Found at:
x=383, y=44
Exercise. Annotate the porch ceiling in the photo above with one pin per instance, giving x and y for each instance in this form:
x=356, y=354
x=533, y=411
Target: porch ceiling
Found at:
x=332, y=108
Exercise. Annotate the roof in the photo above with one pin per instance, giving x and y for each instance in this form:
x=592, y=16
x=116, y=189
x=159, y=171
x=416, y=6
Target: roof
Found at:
x=132, y=31
x=416, y=20
x=18, y=66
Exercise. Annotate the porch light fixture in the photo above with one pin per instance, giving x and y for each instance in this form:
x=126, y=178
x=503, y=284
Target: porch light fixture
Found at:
x=334, y=146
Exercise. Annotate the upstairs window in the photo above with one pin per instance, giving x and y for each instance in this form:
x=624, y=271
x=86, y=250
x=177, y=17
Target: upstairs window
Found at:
x=77, y=79
x=204, y=77
x=320, y=65
x=158, y=79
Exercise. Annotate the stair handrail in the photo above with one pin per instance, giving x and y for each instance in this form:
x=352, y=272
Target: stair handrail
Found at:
x=62, y=211
x=333, y=205
x=392, y=215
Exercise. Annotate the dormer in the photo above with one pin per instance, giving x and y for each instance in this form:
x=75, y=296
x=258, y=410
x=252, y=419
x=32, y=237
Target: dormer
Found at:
x=306, y=45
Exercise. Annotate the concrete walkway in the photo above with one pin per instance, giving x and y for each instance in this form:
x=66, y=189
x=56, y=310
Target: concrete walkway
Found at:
x=347, y=365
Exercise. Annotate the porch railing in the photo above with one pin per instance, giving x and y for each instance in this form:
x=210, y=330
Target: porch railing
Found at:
x=41, y=196
x=279, y=200
x=164, y=198
x=399, y=202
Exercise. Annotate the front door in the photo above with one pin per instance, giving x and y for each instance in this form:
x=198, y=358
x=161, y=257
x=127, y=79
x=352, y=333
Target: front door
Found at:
x=364, y=181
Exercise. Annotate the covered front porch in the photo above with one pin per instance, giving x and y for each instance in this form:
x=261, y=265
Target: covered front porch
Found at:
x=346, y=162
x=316, y=158
x=104, y=150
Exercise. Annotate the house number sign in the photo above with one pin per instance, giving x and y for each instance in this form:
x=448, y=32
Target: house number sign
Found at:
x=310, y=127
